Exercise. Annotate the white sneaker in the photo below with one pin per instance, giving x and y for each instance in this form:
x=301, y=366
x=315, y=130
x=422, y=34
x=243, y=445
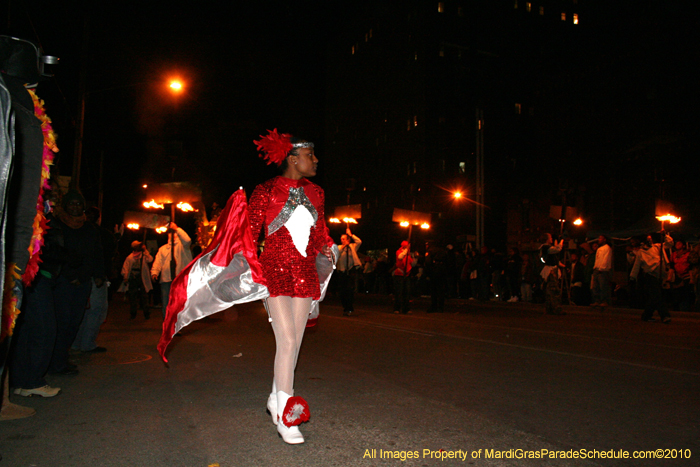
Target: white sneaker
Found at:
x=43, y=391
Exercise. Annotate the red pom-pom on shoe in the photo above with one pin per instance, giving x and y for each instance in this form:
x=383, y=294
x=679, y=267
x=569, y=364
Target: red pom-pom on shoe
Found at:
x=295, y=412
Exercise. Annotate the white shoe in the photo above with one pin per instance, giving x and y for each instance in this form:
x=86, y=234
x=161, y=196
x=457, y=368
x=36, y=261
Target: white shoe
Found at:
x=272, y=406
x=43, y=391
x=290, y=434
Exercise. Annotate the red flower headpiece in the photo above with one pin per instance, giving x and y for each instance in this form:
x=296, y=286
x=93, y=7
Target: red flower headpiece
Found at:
x=295, y=412
x=274, y=147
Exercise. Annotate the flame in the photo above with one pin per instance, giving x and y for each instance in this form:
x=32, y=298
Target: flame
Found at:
x=669, y=218
x=185, y=207
x=578, y=222
x=349, y=220
x=403, y=223
x=334, y=220
x=162, y=229
x=425, y=225
x=133, y=226
x=152, y=204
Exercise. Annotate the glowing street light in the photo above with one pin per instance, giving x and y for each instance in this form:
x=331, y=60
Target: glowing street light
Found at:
x=457, y=194
x=176, y=86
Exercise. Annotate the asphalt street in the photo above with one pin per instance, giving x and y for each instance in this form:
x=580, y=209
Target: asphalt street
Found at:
x=488, y=384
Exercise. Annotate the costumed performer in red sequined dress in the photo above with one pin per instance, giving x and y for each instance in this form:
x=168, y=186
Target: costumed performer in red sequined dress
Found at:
x=289, y=210
x=291, y=275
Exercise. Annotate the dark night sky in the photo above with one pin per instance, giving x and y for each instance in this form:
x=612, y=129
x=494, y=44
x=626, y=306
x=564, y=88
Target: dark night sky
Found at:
x=251, y=66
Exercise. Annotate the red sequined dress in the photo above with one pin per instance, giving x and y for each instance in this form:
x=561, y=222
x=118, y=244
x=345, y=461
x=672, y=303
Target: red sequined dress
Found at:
x=291, y=214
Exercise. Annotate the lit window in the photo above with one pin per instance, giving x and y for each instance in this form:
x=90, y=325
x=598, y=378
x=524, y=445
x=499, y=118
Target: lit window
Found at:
x=415, y=57
x=563, y=16
x=441, y=7
x=462, y=167
x=541, y=11
x=353, y=50
x=575, y=18
x=518, y=109
x=528, y=7
x=415, y=120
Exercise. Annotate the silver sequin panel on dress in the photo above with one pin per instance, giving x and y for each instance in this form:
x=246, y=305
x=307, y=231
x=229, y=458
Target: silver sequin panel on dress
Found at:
x=297, y=197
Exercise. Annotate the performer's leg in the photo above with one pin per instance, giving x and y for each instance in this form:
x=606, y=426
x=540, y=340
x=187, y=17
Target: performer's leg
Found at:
x=301, y=307
x=286, y=314
x=285, y=339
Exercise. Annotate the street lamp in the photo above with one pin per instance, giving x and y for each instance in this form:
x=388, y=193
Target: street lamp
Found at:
x=176, y=86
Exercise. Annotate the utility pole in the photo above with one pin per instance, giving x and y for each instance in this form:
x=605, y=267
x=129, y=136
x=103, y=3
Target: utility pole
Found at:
x=80, y=130
x=479, y=178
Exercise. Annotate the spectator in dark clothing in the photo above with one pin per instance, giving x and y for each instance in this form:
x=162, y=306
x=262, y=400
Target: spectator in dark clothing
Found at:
x=55, y=302
x=512, y=273
x=96, y=313
x=578, y=292
x=498, y=274
x=85, y=265
x=451, y=272
x=436, y=266
x=483, y=274
x=527, y=279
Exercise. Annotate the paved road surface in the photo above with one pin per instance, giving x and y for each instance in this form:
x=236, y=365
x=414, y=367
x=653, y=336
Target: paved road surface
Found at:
x=482, y=379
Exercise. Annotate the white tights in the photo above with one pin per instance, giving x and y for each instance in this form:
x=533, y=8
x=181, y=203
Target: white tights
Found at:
x=289, y=316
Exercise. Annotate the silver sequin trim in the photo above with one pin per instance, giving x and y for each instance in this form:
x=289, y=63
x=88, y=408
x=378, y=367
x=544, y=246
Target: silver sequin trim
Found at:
x=297, y=197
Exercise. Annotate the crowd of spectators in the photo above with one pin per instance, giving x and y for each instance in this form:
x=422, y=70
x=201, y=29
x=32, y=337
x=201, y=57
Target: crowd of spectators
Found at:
x=442, y=271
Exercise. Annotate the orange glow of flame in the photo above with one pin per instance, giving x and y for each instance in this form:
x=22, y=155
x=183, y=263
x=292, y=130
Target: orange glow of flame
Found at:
x=152, y=204
x=578, y=222
x=349, y=220
x=334, y=220
x=669, y=218
x=425, y=225
x=133, y=226
x=403, y=223
x=185, y=207
x=162, y=229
